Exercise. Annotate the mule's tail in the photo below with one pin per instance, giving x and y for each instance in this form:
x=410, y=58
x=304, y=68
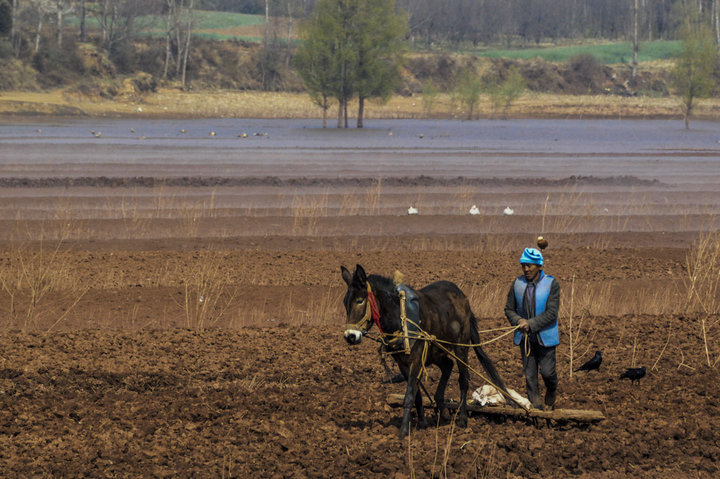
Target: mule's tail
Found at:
x=487, y=363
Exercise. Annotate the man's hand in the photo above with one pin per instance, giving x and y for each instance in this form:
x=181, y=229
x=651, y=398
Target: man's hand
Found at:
x=523, y=326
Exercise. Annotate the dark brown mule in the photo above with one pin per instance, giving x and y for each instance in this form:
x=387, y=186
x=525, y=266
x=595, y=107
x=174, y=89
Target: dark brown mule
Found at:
x=444, y=313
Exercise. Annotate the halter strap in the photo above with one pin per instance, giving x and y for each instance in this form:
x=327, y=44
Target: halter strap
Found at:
x=374, y=310
x=372, y=313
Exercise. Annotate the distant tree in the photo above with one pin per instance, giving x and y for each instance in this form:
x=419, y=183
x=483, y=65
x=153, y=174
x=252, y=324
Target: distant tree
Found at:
x=178, y=21
x=693, y=75
x=318, y=56
x=351, y=47
x=379, y=46
x=430, y=92
x=183, y=32
x=83, y=15
x=60, y=8
x=468, y=90
x=120, y=21
x=504, y=93
x=6, y=18
x=636, y=45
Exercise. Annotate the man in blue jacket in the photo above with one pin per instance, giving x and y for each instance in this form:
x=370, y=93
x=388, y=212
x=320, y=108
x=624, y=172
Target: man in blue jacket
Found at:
x=532, y=305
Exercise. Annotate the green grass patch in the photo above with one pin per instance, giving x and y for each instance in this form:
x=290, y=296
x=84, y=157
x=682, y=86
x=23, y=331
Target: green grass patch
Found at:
x=608, y=53
x=205, y=21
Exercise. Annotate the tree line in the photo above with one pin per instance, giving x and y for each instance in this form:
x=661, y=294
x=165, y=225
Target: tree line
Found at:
x=353, y=49
x=119, y=22
x=445, y=22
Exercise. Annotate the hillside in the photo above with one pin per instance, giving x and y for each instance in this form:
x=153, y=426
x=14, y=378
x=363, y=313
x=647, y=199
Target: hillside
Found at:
x=227, y=58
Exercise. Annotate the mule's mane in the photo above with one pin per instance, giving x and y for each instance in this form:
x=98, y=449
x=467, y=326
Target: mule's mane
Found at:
x=381, y=282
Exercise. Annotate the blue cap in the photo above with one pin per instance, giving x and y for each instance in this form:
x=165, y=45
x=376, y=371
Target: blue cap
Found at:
x=531, y=256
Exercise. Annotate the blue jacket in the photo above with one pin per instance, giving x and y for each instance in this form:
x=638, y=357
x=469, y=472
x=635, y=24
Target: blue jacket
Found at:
x=544, y=320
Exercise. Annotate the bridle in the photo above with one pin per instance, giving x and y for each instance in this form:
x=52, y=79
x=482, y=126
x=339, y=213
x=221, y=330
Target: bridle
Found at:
x=372, y=314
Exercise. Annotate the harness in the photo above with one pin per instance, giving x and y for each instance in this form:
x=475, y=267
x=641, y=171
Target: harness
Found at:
x=402, y=340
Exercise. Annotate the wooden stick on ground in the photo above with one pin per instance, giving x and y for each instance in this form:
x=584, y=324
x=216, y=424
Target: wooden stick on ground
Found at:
x=578, y=415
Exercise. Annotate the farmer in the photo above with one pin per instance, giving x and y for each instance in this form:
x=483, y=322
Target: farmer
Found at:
x=532, y=305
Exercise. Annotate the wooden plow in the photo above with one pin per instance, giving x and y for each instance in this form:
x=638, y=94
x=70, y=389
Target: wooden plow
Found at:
x=574, y=415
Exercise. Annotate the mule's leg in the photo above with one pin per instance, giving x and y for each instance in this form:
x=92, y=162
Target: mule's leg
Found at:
x=410, y=398
x=446, y=366
x=419, y=407
x=462, y=362
x=412, y=394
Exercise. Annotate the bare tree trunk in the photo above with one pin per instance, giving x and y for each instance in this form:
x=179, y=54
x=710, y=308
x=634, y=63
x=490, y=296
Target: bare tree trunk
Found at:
x=345, y=108
x=103, y=21
x=169, y=26
x=188, y=33
x=325, y=107
x=289, y=35
x=179, y=44
x=716, y=20
x=38, y=32
x=267, y=22
x=82, y=21
x=59, y=16
x=635, y=43
x=361, y=111
x=340, y=113
x=13, y=29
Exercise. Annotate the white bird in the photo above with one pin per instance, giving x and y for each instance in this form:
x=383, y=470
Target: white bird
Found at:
x=412, y=210
x=474, y=210
x=508, y=211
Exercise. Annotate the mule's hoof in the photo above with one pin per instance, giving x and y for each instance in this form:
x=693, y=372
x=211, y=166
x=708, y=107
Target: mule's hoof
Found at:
x=445, y=414
x=461, y=422
x=399, y=378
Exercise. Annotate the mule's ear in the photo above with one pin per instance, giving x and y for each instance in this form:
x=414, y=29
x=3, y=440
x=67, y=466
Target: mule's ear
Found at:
x=360, y=274
x=346, y=275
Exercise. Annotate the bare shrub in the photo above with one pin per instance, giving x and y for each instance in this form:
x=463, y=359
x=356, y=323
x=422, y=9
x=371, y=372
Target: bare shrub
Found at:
x=703, y=289
x=40, y=285
x=207, y=295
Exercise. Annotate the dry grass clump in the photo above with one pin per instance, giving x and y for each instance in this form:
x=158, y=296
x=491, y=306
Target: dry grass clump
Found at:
x=39, y=284
x=306, y=211
x=703, y=291
x=207, y=294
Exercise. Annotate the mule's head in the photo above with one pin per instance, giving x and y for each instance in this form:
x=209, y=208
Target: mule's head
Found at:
x=357, y=307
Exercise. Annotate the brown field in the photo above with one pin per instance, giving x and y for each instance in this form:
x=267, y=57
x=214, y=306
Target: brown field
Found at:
x=159, y=332
x=168, y=102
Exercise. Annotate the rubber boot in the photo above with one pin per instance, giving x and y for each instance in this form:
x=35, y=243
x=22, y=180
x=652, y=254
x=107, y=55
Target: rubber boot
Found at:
x=550, y=397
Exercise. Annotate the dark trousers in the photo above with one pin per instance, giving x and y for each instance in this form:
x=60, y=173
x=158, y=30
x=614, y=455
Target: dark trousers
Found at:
x=542, y=359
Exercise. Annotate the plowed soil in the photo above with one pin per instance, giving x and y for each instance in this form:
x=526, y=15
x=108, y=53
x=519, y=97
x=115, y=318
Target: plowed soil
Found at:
x=123, y=387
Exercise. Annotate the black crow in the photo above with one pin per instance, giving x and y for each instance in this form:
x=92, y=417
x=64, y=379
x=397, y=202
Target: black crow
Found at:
x=593, y=363
x=634, y=374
